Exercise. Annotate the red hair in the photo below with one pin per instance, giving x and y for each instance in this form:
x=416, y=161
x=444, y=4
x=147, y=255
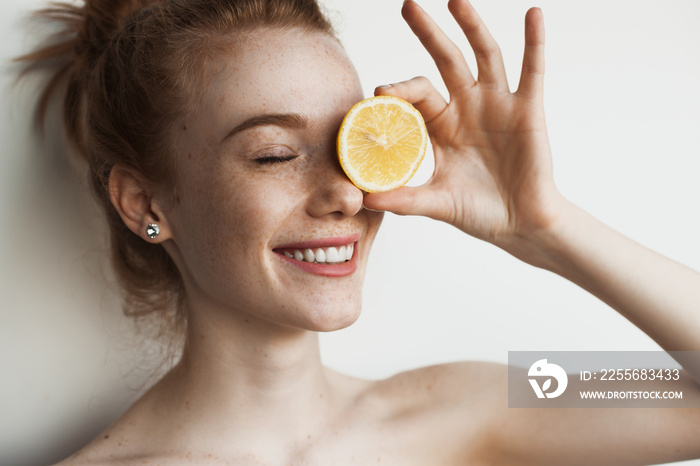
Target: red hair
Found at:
x=131, y=69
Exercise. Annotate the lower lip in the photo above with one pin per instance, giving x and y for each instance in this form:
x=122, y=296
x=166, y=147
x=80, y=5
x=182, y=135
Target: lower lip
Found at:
x=342, y=269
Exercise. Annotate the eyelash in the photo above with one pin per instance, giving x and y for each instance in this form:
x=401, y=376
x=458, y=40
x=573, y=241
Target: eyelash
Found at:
x=270, y=159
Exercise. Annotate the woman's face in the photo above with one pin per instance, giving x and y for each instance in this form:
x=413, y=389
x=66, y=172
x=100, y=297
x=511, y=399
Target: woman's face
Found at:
x=260, y=182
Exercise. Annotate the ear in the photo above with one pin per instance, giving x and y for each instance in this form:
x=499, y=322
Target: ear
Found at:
x=135, y=205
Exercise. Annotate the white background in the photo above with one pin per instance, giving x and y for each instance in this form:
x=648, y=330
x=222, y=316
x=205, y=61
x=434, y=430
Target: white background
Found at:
x=623, y=109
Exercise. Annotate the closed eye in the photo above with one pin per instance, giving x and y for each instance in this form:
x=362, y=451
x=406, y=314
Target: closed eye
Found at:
x=270, y=159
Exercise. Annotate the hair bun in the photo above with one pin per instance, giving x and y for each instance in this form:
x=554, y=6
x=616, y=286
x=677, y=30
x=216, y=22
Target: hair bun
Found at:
x=83, y=32
x=101, y=20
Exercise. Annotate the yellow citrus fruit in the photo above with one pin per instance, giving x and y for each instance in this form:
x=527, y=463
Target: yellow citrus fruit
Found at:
x=381, y=143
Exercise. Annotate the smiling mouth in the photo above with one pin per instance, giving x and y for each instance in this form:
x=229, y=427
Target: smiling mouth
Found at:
x=329, y=255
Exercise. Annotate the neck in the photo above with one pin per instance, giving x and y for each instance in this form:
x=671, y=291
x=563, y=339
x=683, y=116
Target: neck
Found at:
x=256, y=355
x=238, y=371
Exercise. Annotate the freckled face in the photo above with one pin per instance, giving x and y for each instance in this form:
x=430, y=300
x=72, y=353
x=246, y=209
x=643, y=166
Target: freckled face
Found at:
x=249, y=197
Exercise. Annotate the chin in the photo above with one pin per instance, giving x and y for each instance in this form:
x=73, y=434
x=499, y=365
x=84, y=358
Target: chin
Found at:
x=334, y=324
x=333, y=317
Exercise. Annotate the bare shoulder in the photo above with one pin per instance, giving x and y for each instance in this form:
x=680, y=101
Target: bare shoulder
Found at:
x=86, y=456
x=469, y=382
x=101, y=452
x=98, y=453
x=125, y=442
x=447, y=411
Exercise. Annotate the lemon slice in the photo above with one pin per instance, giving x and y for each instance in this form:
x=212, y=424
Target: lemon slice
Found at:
x=381, y=143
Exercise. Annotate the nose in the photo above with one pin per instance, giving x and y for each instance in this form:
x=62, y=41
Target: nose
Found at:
x=332, y=192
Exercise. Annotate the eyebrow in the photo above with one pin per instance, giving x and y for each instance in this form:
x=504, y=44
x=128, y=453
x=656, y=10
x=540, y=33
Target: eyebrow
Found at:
x=284, y=120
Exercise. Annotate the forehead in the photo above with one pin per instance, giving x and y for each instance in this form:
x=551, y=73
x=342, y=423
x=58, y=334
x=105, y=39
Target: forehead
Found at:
x=280, y=71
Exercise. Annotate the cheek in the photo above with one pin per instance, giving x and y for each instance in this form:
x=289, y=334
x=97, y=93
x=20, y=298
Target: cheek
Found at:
x=374, y=221
x=233, y=216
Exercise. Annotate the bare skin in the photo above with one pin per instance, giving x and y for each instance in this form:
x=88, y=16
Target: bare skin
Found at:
x=251, y=389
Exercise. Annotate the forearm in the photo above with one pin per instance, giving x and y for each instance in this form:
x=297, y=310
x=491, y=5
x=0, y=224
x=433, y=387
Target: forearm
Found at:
x=660, y=296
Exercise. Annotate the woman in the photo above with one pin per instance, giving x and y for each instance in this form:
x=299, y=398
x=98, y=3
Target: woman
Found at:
x=211, y=170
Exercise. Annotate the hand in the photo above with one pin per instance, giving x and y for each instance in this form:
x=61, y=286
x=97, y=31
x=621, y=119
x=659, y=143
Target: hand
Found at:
x=493, y=176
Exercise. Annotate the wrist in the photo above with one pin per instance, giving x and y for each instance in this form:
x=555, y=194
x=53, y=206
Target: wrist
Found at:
x=544, y=245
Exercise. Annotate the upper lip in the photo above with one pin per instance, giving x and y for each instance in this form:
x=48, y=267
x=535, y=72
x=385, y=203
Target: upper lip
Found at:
x=323, y=242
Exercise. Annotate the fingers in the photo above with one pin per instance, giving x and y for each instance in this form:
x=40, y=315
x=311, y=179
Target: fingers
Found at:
x=447, y=56
x=532, y=76
x=450, y=61
x=420, y=92
x=486, y=50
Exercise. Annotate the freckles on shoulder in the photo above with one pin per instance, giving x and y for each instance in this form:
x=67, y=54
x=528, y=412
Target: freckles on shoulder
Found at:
x=472, y=384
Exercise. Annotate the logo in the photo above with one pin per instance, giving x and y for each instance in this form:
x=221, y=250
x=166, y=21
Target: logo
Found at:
x=543, y=369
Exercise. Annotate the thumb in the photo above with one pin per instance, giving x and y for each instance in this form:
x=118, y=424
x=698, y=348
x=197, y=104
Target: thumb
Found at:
x=406, y=200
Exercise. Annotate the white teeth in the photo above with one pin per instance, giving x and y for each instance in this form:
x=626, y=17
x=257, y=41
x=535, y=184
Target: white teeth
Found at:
x=330, y=255
x=309, y=255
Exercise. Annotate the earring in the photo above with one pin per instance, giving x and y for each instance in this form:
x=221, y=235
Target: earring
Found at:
x=153, y=230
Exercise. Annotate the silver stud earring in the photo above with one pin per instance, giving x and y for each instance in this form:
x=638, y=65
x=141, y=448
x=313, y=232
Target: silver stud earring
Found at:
x=153, y=230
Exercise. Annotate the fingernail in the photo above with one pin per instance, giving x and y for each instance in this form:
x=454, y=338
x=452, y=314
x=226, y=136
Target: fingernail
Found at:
x=385, y=86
